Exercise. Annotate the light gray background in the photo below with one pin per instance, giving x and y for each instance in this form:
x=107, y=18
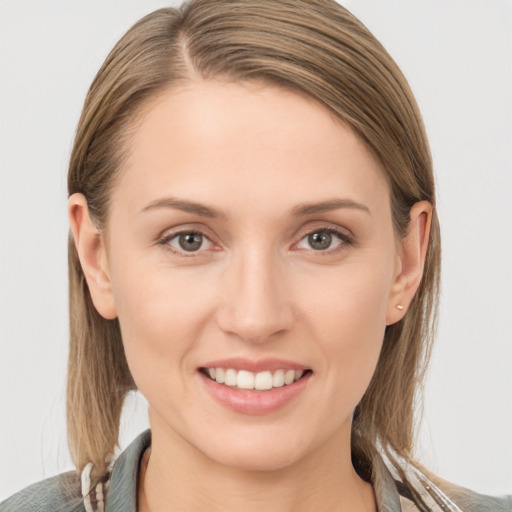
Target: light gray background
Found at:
x=457, y=55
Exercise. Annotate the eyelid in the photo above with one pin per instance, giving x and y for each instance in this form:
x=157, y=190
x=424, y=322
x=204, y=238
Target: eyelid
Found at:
x=315, y=226
x=344, y=235
x=164, y=238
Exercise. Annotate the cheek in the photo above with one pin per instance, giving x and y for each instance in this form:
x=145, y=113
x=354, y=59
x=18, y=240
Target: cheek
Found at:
x=160, y=311
x=349, y=319
x=350, y=301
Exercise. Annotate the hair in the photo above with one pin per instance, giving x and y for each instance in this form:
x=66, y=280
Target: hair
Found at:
x=312, y=47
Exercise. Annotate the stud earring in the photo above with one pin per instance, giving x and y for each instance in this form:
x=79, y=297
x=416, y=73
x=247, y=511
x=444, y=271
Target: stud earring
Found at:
x=399, y=307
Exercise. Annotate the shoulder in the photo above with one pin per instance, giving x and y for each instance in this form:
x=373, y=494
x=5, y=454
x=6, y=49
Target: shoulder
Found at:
x=60, y=493
x=471, y=501
x=63, y=493
x=402, y=485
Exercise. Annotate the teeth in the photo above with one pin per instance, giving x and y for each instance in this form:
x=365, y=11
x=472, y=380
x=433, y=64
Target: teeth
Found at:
x=263, y=381
x=289, y=376
x=260, y=381
x=245, y=380
x=220, y=375
x=230, y=379
x=278, y=379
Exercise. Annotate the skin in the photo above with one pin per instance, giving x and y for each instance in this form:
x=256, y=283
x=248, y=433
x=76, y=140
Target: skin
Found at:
x=256, y=288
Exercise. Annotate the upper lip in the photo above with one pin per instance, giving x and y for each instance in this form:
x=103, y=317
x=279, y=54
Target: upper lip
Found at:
x=255, y=366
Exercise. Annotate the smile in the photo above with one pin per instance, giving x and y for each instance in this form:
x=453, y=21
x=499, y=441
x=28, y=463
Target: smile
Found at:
x=260, y=381
x=254, y=387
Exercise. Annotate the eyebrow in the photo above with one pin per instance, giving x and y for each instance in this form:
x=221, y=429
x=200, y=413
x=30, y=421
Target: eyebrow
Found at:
x=326, y=206
x=210, y=212
x=185, y=206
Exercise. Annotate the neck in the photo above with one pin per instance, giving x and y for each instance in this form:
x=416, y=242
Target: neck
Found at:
x=175, y=477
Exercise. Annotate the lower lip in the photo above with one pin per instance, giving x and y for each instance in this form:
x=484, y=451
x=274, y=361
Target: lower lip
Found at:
x=254, y=402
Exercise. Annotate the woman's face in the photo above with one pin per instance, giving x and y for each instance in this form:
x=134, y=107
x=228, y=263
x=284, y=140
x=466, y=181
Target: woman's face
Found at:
x=250, y=231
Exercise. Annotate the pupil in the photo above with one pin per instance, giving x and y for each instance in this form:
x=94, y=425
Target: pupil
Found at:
x=190, y=241
x=319, y=241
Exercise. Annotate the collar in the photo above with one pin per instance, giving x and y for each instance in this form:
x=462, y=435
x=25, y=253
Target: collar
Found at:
x=122, y=493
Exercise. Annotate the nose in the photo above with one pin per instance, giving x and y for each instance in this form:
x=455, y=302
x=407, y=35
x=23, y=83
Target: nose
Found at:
x=255, y=305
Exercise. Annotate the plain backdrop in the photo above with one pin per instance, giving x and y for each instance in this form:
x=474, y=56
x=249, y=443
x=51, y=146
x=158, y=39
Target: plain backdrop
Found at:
x=457, y=55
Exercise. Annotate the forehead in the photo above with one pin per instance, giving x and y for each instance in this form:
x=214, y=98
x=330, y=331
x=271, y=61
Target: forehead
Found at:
x=245, y=144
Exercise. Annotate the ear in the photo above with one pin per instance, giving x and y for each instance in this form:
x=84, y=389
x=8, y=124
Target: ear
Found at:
x=90, y=246
x=411, y=261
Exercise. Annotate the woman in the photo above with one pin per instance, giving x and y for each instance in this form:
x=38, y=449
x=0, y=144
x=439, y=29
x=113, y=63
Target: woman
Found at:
x=256, y=249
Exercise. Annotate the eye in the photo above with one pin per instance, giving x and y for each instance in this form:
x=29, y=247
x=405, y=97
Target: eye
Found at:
x=324, y=240
x=186, y=241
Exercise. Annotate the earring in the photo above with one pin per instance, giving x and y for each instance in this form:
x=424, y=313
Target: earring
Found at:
x=399, y=307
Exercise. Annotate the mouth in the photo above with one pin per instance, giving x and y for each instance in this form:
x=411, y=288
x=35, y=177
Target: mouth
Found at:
x=245, y=380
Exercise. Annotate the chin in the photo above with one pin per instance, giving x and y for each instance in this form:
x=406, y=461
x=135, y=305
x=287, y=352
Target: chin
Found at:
x=258, y=452
x=258, y=460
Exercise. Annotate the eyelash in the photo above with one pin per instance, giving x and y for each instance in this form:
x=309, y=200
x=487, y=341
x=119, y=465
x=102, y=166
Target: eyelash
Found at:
x=345, y=241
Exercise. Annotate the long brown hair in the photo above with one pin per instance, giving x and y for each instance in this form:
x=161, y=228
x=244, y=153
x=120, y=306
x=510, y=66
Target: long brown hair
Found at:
x=315, y=48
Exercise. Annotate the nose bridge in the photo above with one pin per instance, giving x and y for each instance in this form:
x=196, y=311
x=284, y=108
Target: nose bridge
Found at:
x=255, y=305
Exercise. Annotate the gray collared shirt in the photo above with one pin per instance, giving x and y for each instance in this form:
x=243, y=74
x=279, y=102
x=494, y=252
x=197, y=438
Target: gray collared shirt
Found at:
x=62, y=493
